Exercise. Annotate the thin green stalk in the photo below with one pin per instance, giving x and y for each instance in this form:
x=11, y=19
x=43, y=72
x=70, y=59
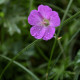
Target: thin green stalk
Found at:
x=49, y=63
x=65, y=47
x=67, y=9
x=58, y=8
x=65, y=14
x=65, y=22
x=21, y=66
x=71, y=18
x=54, y=7
x=61, y=47
x=31, y=4
x=26, y=48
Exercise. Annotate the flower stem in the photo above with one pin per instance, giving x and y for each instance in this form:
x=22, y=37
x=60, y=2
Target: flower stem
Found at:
x=65, y=48
x=52, y=51
x=64, y=23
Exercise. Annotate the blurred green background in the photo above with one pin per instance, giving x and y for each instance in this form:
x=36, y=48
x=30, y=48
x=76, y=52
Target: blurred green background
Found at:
x=15, y=35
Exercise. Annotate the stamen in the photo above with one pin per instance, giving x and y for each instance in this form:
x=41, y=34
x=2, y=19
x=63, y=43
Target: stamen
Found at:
x=46, y=22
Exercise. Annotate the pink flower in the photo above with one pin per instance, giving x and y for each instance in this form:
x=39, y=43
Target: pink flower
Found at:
x=43, y=22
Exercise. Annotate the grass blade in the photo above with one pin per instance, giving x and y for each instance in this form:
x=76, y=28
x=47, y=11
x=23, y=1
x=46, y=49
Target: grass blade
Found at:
x=65, y=47
x=21, y=66
x=27, y=47
x=67, y=9
x=49, y=63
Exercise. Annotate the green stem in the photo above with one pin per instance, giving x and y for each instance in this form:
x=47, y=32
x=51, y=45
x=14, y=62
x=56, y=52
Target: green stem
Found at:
x=49, y=63
x=20, y=65
x=64, y=23
x=61, y=47
x=57, y=8
x=67, y=9
x=65, y=14
x=54, y=7
x=65, y=47
x=26, y=48
x=71, y=18
x=31, y=4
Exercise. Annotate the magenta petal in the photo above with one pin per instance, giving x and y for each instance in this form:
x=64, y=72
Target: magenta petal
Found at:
x=34, y=18
x=44, y=11
x=49, y=33
x=54, y=19
x=37, y=31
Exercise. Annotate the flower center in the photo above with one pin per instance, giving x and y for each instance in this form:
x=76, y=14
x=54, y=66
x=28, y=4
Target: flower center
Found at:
x=45, y=22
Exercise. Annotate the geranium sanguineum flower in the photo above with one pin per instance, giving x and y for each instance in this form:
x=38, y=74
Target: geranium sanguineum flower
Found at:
x=43, y=22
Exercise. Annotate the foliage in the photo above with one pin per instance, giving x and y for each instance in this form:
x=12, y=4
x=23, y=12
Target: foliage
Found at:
x=32, y=62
